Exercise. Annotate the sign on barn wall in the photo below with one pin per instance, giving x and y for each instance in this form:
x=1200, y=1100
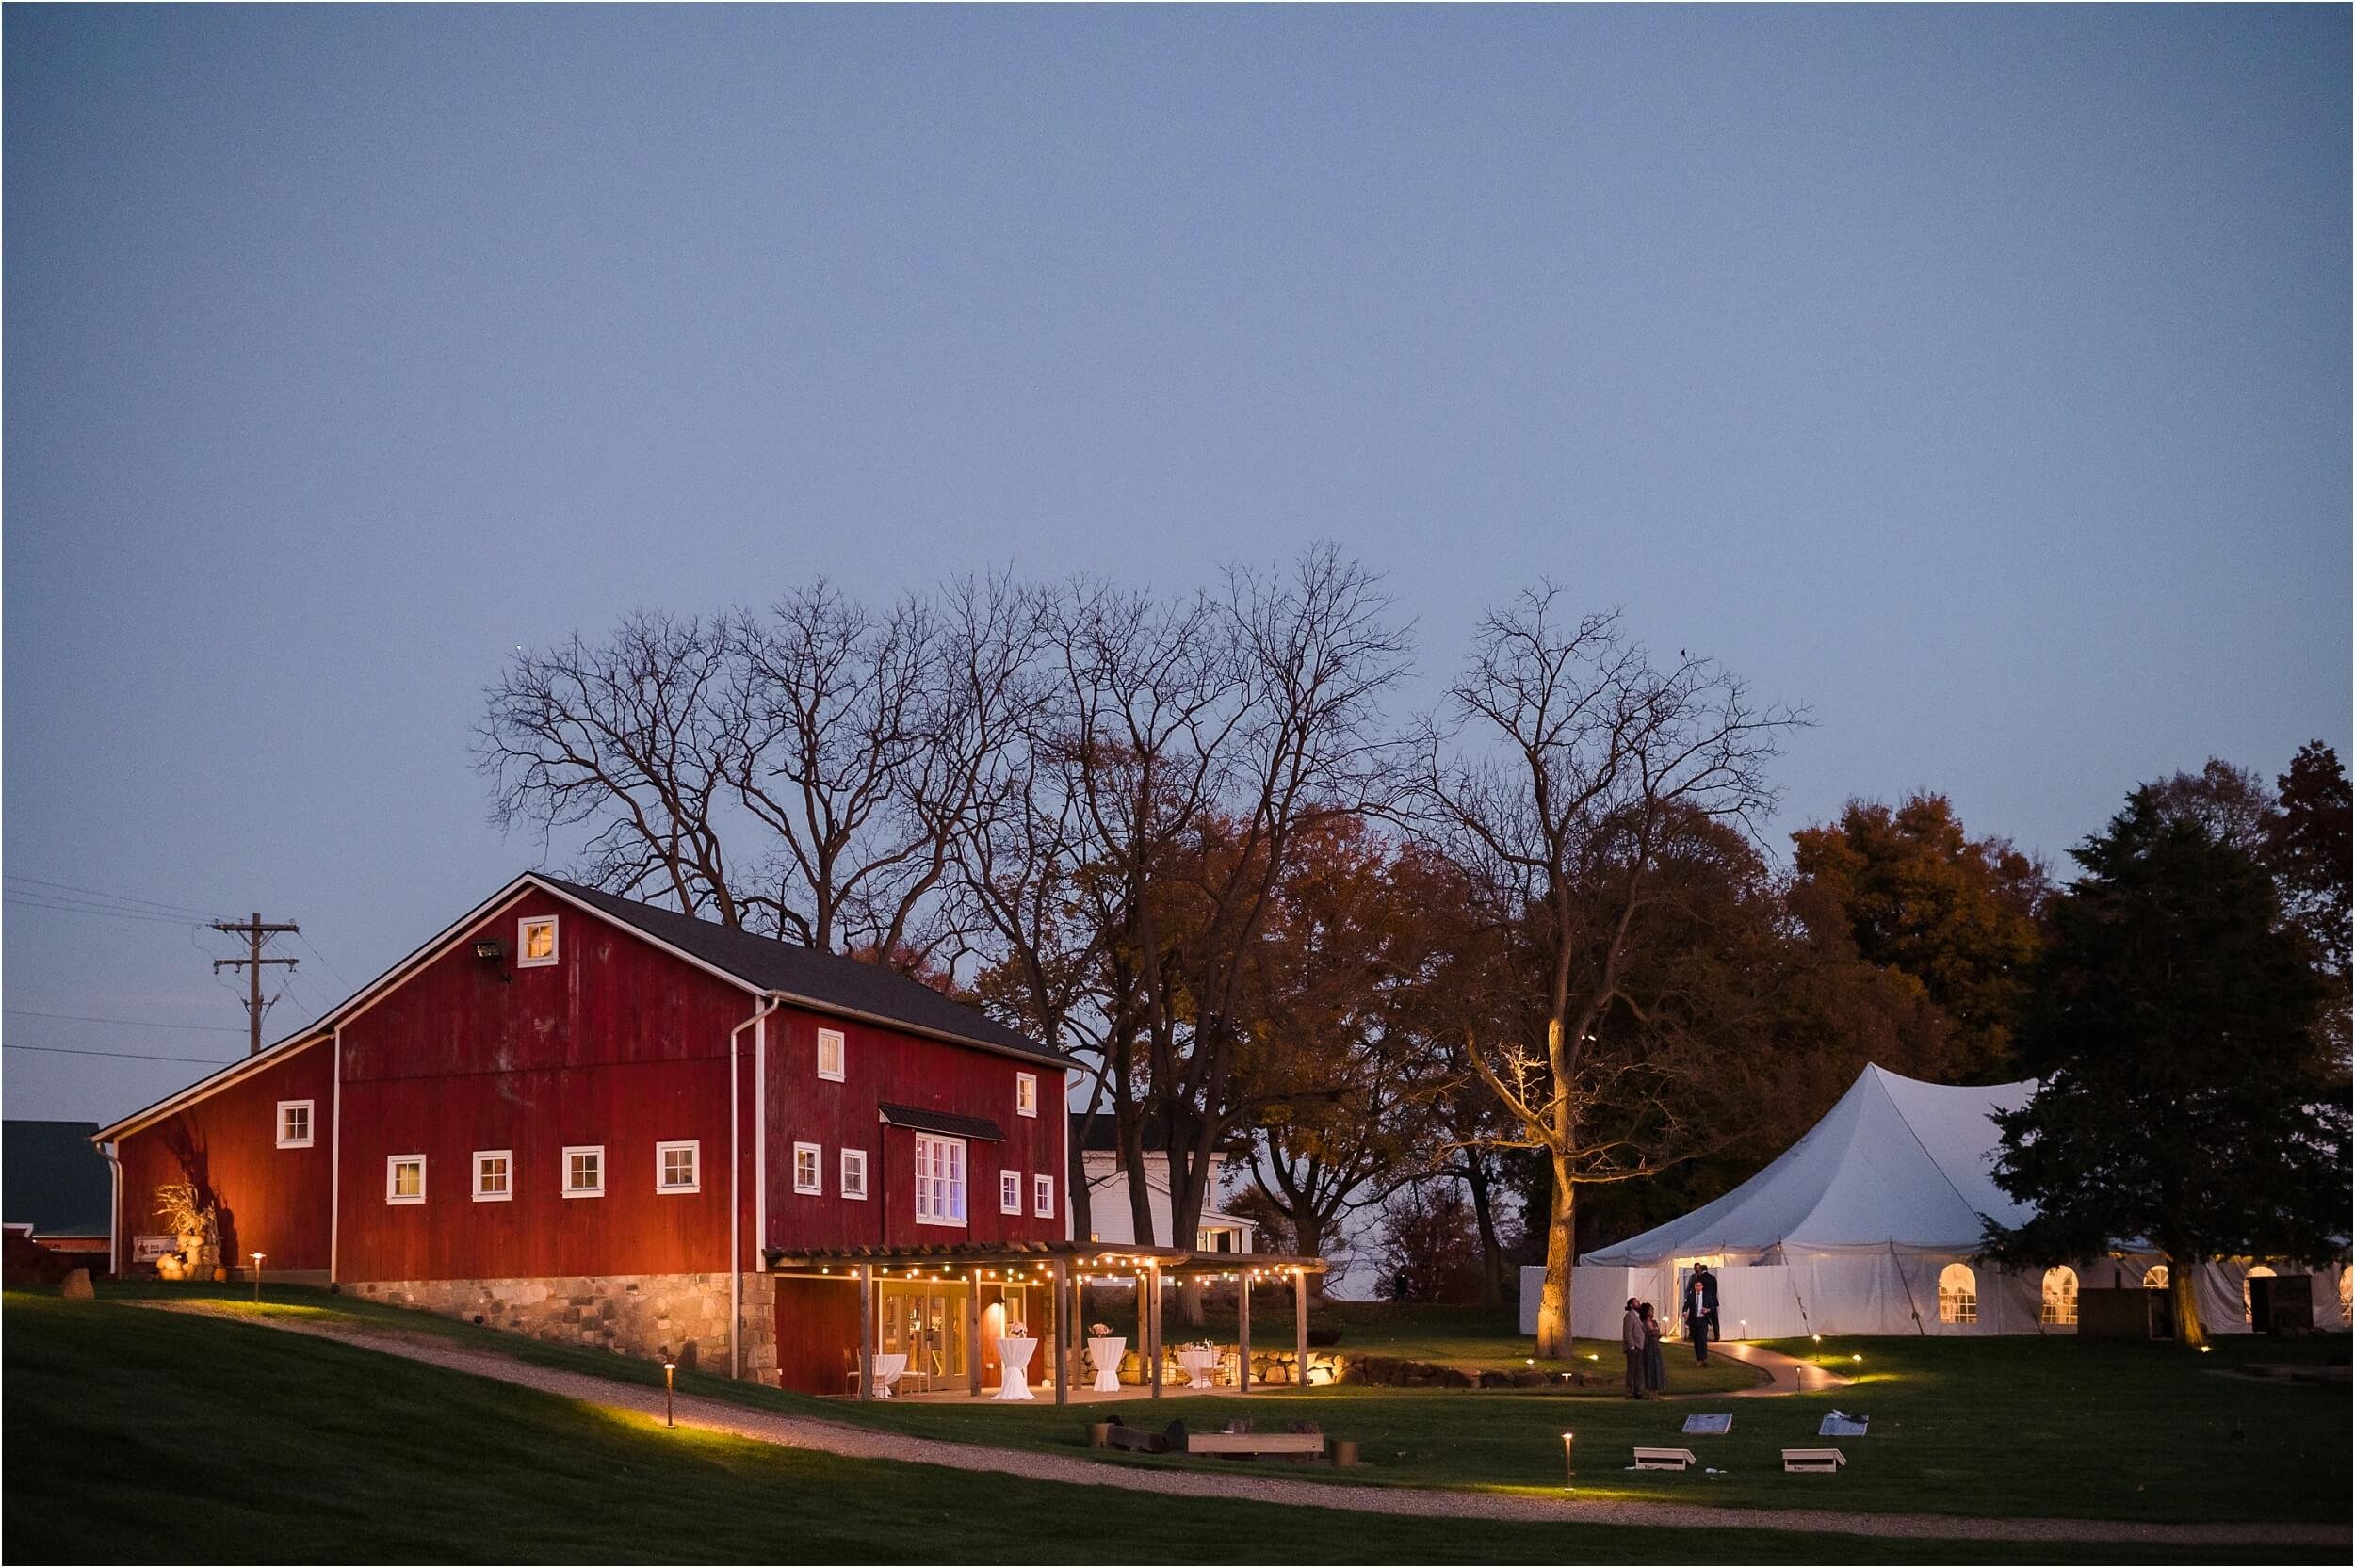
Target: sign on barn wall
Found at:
x=147, y=1248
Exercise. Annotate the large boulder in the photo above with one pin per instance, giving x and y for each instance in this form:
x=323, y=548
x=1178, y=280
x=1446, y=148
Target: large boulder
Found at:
x=77, y=1286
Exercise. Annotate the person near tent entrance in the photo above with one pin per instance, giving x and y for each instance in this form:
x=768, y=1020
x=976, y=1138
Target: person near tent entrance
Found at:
x=1655, y=1365
x=1632, y=1343
x=1700, y=1310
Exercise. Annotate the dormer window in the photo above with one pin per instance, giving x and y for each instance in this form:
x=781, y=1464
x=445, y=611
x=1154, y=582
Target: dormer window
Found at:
x=830, y=1055
x=535, y=942
x=1026, y=1093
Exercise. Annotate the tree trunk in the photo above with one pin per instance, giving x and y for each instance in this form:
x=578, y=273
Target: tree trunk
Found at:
x=1189, y=1300
x=1491, y=1251
x=1553, y=1301
x=2190, y=1333
x=1308, y=1242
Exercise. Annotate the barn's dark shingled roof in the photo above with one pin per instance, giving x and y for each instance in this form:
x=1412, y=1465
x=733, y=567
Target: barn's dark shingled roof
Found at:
x=55, y=1179
x=825, y=978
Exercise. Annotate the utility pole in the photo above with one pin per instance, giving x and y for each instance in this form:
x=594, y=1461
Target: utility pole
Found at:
x=256, y=932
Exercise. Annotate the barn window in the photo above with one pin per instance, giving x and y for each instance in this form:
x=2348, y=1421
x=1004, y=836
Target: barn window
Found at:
x=678, y=1167
x=584, y=1171
x=1026, y=1093
x=854, y=1172
x=404, y=1179
x=809, y=1169
x=2059, y=1307
x=2154, y=1277
x=1958, y=1294
x=1043, y=1197
x=939, y=1180
x=494, y=1175
x=830, y=1055
x=294, y=1123
x=535, y=942
x=1009, y=1191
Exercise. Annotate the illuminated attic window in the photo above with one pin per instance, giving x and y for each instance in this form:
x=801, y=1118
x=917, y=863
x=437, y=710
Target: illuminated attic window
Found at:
x=535, y=942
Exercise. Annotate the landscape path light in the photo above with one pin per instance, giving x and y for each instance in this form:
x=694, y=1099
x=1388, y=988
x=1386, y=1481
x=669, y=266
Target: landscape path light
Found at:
x=669, y=1416
x=1569, y=1460
x=257, y=1279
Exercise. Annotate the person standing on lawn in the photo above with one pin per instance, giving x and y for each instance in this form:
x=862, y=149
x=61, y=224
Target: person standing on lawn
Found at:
x=1632, y=1341
x=1700, y=1310
x=1655, y=1364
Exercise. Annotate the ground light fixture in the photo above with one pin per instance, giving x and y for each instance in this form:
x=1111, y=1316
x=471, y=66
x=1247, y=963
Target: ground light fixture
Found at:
x=257, y=1279
x=1570, y=1461
x=670, y=1417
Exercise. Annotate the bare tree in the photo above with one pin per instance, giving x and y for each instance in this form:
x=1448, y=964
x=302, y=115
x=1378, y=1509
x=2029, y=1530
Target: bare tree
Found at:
x=629, y=738
x=1586, y=763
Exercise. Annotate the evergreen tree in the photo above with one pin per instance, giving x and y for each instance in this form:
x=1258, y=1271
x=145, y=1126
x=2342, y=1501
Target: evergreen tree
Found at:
x=2187, y=1098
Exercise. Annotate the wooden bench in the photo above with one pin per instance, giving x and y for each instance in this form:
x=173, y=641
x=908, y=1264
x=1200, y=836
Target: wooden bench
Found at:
x=1664, y=1459
x=1294, y=1444
x=1812, y=1462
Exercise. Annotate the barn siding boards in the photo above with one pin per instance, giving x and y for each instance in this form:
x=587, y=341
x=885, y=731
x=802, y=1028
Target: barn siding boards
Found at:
x=269, y=1200
x=816, y=1322
x=882, y=1065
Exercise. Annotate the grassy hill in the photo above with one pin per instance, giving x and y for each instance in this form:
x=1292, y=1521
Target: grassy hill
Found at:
x=138, y=1435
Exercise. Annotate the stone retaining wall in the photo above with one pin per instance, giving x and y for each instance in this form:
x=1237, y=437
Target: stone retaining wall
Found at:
x=681, y=1316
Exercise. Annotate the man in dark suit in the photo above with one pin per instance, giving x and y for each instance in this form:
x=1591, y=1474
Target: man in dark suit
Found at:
x=1700, y=1310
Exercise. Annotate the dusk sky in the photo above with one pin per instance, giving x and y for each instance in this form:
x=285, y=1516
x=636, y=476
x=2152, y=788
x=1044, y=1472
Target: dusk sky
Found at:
x=1977, y=378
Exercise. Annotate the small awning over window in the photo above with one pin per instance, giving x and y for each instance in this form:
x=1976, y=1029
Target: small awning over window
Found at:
x=980, y=1129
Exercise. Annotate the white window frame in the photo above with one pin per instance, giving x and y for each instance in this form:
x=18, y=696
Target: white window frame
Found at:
x=950, y=1153
x=662, y=1152
x=813, y=1184
x=854, y=1174
x=1026, y=1095
x=522, y=946
x=1042, y=1196
x=392, y=1179
x=1009, y=1191
x=310, y=1109
x=572, y=1149
x=841, y=1054
x=505, y=1194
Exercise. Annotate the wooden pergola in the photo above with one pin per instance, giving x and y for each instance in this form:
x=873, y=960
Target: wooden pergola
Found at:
x=1065, y=1267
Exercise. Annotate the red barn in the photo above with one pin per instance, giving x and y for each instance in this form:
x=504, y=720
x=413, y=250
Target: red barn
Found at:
x=586, y=1118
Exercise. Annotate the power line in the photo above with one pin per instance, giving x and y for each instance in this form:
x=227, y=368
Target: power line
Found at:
x=257, y=932
x=43, y=901
x=126, y=1056
x=135, y=1022
x=117, y=898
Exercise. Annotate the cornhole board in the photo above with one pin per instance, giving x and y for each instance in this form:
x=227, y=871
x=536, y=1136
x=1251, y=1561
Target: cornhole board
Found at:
x=1664, y=1459
x=1841, y=1424
x=1812, y=1462
x=1708, y=1426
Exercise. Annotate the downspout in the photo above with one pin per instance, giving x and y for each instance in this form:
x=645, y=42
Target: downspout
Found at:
x=335, y=1163
x=736, y=1203
x=114, y=1227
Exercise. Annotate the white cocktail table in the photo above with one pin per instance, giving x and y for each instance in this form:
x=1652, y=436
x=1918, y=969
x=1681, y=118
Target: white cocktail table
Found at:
x=1105, y=1354
x=1014, y=1356
x=1198, y=1366
x=887, y=1372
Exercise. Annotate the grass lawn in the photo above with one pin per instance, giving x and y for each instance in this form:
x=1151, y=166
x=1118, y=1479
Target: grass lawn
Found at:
x=2015, y=1426
x=139, y=1436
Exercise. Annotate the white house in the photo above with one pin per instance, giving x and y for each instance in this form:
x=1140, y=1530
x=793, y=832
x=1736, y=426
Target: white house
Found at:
x=1108, y=1197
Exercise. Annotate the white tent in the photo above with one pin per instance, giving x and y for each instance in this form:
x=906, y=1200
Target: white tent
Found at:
x=1869, y=1225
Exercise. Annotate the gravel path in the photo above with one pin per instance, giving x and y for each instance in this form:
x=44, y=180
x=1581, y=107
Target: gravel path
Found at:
x=831, y=1437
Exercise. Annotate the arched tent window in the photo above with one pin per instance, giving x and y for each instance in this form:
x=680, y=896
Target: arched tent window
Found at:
x=1958, y=1294
x=2247, y=1310
x=2059, y=1307
x=2154, y=1277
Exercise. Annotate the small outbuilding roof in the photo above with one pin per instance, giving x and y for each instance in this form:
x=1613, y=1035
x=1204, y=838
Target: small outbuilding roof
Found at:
x=53, y=1179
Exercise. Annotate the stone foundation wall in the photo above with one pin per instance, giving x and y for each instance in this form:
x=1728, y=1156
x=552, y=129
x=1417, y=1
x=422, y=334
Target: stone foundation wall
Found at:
x=681, y=1316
